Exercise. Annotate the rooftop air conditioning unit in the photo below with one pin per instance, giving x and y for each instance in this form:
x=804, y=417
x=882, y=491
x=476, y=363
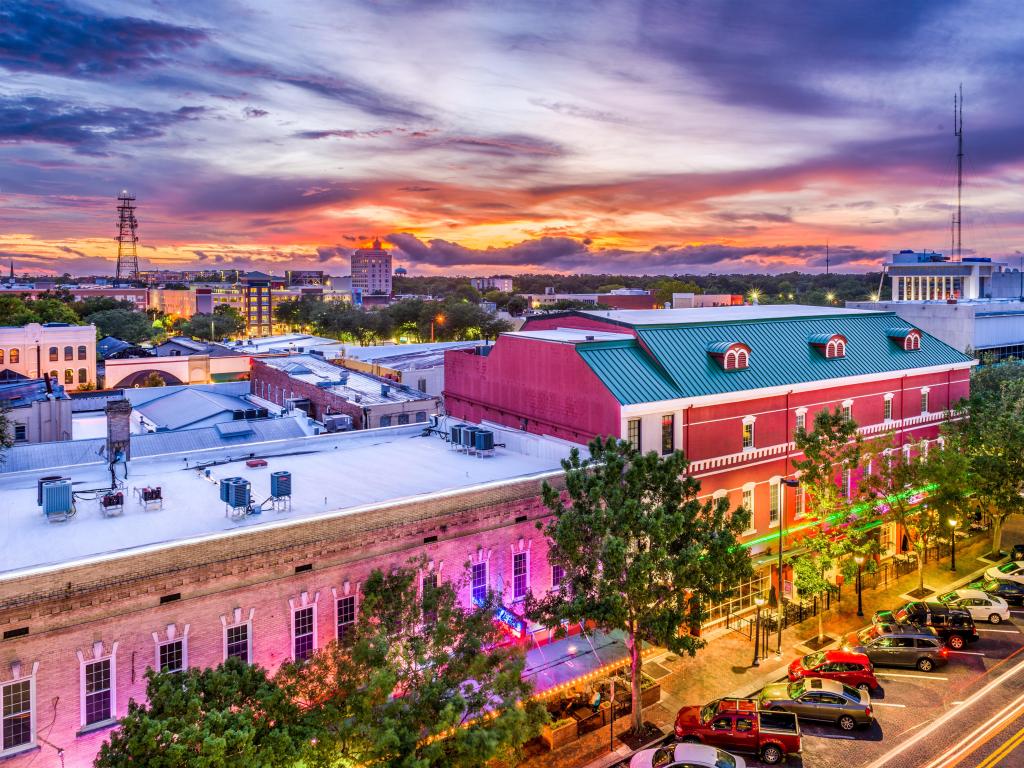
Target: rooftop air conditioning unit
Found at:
x=58, y=499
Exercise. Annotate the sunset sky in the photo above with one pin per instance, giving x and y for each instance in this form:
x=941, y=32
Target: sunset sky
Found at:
x=495, y=137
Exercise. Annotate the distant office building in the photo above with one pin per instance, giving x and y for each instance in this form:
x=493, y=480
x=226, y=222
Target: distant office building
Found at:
x=258, y=304
x=66, y=353
x=371, y=270
x=689, y=300
x=38, y=410
x=138, y=297
x=485, y=284
x=974, y=304
x=304, y=277
x=621, y=298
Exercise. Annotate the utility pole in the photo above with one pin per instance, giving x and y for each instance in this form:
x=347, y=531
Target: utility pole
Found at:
x=958, y=131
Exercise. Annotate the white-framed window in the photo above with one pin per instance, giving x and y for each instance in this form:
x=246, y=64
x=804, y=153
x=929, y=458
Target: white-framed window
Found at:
x=924, y=400
x=848, y=409
x=801, y=419
x=479, y=582
x=887, y=407
x=170, y=656
x=98, y=679
x=747, y=501
x=774, y=503
x=238, y=642
x=19, y=721
x=303, y=632
x=557, y=575
x=798, y=502
x=847, y=478
x=520, y=575
x=633, y=433
x=748, y=433
x=346, y=607
x=668, y=433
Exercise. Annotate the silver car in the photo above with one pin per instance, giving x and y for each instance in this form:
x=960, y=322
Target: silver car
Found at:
x=817, y=699
x=685, y=756
x=981, y=606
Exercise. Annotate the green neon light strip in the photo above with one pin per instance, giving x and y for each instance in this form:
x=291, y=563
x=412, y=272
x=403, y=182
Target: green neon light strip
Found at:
x=856, y=509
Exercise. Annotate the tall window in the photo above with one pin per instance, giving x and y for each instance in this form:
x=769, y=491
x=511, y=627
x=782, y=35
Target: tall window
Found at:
x=557, y=574
x=924, y=401
x=53, y=354
x=98, y=698
x=887, y=409
x=15, y=355
x=519, y=575
x=479, y=583
x=17, y=703
x=69, y=353
x=81, y=351
x=801, y=420
x=748, y=434
x=304, y=626
x=798, y=501
x=1, y=356
x=748, y=503
x=429, y=597
x=633, y=433
x=347, y=615
x=774, y=503
x=846, y=478
x=848, y=411
x=668, y=433
x=69, y=376
x=83, y=376
x=172, y=656
x=237, y=642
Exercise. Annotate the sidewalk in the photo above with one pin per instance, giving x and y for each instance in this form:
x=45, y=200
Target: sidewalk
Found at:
x=723, y=668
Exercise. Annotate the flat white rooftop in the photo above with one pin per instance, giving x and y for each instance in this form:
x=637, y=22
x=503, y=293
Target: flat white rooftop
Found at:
x=570, y=335
x=331, y=474
x=718, y=314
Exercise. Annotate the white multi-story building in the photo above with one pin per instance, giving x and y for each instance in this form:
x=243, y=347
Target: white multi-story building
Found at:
x=485, y=284
x=371, y=270
x=63, y=352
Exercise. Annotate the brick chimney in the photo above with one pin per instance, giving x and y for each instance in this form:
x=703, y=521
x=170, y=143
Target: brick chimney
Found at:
x=119, y=429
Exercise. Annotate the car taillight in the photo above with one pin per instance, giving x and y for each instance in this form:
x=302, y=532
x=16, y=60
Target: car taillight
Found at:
x=868, y=711
x=944, y=652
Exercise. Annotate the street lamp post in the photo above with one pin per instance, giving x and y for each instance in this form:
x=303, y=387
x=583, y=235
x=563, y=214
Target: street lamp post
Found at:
x=789, y=483
x=758, y=601
x=439, y=319
x=952, y=543
x=859, y=559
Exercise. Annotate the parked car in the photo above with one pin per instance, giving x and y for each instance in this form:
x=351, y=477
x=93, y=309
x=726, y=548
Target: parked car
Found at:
x=899, y=646
x=981, y=606
x=954, y=625
x=852, y=669
x=1010, y=591
x=737, y=725
x=1018, y=552
x=817, y=699
x=1014, y=571
x=685, y=756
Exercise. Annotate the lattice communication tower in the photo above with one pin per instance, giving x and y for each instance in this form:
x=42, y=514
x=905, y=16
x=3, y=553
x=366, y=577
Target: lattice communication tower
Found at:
x=127, y=257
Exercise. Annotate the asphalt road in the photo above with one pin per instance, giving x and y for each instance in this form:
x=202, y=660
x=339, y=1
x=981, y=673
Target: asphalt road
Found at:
x=968, y=714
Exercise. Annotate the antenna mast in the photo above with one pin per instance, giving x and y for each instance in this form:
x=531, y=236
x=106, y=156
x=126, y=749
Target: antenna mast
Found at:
x=958, y=131
x=826, y=257
x=127, y=257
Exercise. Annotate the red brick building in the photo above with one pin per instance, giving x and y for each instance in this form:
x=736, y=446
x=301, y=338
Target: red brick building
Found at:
x=728, y=386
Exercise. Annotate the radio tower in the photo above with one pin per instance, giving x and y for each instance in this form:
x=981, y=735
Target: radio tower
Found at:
x=127, y=258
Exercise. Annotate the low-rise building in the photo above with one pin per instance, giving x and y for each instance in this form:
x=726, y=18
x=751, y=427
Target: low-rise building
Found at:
x=37, y=410
x=485, y=284
x=65, y=353
x=194, y=406
x=416, y=365
x=688, y=300
x=620, y=298
x=323, y=390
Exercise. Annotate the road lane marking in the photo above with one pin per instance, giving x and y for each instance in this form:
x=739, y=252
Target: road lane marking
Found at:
x=1004, y=749
x=980, y=736
x=939, y=722
x=904, y=674
x=886, y=704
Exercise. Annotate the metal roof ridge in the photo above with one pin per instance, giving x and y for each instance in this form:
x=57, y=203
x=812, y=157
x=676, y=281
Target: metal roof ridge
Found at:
x=756, y=320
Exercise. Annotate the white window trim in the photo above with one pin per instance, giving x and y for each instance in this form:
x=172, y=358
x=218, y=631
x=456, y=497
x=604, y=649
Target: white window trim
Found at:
x=776, y=483
x=799, y=510
x=97, y=655
x=888, y=398
x=522, y=547
x=926, y=400
x=800, y=414
x=350, y=590
x=748, y=421
x=846, y=478
x=17, y=676
x=171, y=636
x=751, y=487
x=483, y=556
x=294, y=607
x=237, y=621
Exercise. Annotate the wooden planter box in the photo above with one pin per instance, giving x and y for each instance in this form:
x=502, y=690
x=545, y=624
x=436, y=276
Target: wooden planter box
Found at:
x=565, y=733
x=650, y=696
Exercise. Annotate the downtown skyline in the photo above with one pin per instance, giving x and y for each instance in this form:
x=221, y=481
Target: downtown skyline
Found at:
x=624, y=137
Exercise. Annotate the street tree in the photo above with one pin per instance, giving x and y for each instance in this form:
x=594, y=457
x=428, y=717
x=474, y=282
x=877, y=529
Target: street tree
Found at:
x=420, y=682
x=126, y=324
x=639, y=552
x=831, y=452
x=154, y=379
x=232, y=714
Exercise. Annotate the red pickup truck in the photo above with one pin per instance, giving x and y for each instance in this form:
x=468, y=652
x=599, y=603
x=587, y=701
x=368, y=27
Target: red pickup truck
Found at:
x=737, y=725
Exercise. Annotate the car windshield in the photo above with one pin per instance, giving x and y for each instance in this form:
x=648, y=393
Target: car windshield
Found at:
x=796, y=690
x=851, y=693
x=811, y=660
x=868, y=634
x=664, y=756
x=949, y=597
x=1008, y=568
x=724, y=760
x=708, y=711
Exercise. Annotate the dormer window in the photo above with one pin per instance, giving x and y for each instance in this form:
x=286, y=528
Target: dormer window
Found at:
x=730, y=355
x=908, y=338
x=830, y=345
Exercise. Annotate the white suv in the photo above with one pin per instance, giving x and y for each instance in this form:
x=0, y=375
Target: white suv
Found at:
x=981, y=606
x=1014, y=571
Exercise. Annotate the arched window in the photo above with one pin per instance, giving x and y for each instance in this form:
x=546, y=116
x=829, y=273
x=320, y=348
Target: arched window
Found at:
x=83, y=376
x=742, y=358
x=730, y=360
x=69, y=353
x=15, y=355
x=69, y=376
x=81, y=351
x=830, y=349
x=840, y=348
x=1, y=356
x=53, y=354
x=54, y=376
x=912, y=342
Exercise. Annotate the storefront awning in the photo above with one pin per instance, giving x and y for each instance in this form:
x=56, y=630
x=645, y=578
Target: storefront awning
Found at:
x=572, y=658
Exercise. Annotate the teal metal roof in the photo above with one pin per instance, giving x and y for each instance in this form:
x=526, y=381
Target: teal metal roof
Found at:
x=899, y=333
x=670, y=362
x=820, y=338
x=719, y=347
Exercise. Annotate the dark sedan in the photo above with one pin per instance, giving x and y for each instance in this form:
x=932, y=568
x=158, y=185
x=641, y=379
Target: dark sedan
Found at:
x=817, y=699
x=1010, y=591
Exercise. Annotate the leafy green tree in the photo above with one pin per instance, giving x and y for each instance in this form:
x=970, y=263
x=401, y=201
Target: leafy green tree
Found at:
x=663, y=290
x=516, y=306
x=208, y=718
x=225, y=322
x=95, y=304
x=421, y=682
x=6, y=432
x=50, y=310
x=154, y=379
x=14, y=311
x=639, y=552
x=127, y=324
x=832, y=448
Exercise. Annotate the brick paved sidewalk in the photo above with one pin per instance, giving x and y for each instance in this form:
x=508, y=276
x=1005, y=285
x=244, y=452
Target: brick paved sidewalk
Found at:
x=723, y=667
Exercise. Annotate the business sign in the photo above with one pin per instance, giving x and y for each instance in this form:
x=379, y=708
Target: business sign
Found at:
x=509, y=620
